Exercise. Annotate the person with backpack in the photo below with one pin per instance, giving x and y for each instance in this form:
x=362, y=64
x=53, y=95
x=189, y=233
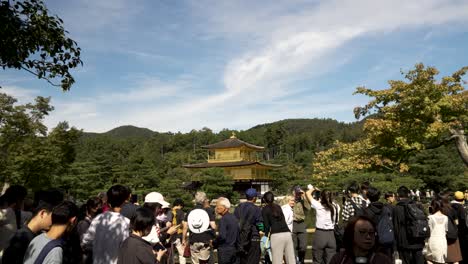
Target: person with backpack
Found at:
x=40, y=221
x=382, y=215
x=462, y=215
x=354, y=205
x=251, y=224
x=411, y=228
x=228, y=232
x=201, y=223
x=327, y=211
x=47, y=247
x=454, y=254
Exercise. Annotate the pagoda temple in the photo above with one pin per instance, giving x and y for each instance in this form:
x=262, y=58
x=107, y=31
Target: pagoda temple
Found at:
x=240, y=160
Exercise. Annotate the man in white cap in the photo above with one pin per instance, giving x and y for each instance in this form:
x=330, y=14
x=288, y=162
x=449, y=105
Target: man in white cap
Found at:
x=202, y=225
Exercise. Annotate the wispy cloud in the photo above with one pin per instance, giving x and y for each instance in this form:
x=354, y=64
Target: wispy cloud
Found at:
x=271, y=58
x=22, y=94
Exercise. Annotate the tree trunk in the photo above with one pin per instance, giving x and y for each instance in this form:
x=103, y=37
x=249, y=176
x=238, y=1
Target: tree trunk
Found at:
x=460, y=142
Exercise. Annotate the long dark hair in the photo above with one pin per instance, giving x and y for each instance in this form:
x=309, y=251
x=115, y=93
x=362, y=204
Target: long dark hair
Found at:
x=269, y=199
x=326, y=199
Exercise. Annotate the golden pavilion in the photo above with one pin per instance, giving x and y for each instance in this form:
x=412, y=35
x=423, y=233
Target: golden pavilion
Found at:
x=240, y=160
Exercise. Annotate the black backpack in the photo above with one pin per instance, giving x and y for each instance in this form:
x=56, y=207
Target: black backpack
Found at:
x=452, y=230
x=245, y=233
x=417, y=225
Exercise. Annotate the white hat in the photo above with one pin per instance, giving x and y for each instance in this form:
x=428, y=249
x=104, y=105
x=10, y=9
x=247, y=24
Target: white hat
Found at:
x=198, y=221
x=155, y=197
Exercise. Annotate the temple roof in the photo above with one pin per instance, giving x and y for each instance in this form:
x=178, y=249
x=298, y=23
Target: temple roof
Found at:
x=229, y=164
x=232, y=142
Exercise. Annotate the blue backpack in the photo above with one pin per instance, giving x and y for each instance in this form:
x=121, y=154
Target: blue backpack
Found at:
x=385, y=227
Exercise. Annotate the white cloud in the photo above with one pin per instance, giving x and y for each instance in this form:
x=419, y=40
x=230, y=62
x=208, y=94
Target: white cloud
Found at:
x=277, y=45
x=22, y=94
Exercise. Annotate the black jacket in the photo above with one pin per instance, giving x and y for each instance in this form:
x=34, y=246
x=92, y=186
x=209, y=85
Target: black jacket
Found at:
x=374, y=211
x=399, y=224
x=135, y=250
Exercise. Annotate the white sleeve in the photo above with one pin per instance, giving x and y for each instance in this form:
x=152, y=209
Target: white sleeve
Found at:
x=152, y=237
x=315, y=204
x=88, y=237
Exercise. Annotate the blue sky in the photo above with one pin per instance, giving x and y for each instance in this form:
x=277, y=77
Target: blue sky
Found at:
x=182, y=65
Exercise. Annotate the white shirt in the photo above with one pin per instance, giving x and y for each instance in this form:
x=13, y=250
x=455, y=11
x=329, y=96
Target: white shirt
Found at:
x=323, y=215
x=288, y=215
x=105, y=234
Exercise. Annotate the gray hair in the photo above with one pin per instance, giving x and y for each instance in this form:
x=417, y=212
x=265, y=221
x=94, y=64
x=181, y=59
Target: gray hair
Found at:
x=224, y=202
x=200, y=197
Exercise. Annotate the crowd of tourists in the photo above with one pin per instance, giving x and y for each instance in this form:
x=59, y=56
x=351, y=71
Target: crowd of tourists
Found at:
x=111, y=228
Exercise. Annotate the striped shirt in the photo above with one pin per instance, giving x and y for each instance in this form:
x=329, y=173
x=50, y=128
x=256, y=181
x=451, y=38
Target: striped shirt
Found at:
x=348, y=209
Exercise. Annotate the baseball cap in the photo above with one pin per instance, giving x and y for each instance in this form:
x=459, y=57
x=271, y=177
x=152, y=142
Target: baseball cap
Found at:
x=155, y=197
x=251, y=193
x=459, y=195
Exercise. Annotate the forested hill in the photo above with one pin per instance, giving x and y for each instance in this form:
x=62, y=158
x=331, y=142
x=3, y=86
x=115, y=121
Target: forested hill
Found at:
x=148, y=161
x=124, y=132
x=290, y=126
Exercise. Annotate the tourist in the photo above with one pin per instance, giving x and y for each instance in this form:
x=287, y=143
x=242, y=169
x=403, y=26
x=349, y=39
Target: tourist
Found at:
x=289, y=202
x=409, y=245
x=458, y=206
x=128, y=208
x=276, y=227
x=47, y=247
x=381, y=213
x=390, y=198
x=327, y=211
x=176, y=240
x=40, y=221
x=154, y=201
x=200, y=236
x=91, y=207
x=360, y=244
x=364, y=188
x=248, y=213
x=355, y=204
x=108, y=230
x=228, y=232
x=136, y=250
x=454, y=254
x=299, y=233
x=436, y=250
x=11, y=204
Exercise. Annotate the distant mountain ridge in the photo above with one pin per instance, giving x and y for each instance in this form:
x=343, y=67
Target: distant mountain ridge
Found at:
x=291, y=125
x=127, y=131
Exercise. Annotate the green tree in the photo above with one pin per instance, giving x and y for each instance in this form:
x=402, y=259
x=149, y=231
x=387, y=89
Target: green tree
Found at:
x=29, y=155
x=421, y=113
x=216, y=184
x=36, y=42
